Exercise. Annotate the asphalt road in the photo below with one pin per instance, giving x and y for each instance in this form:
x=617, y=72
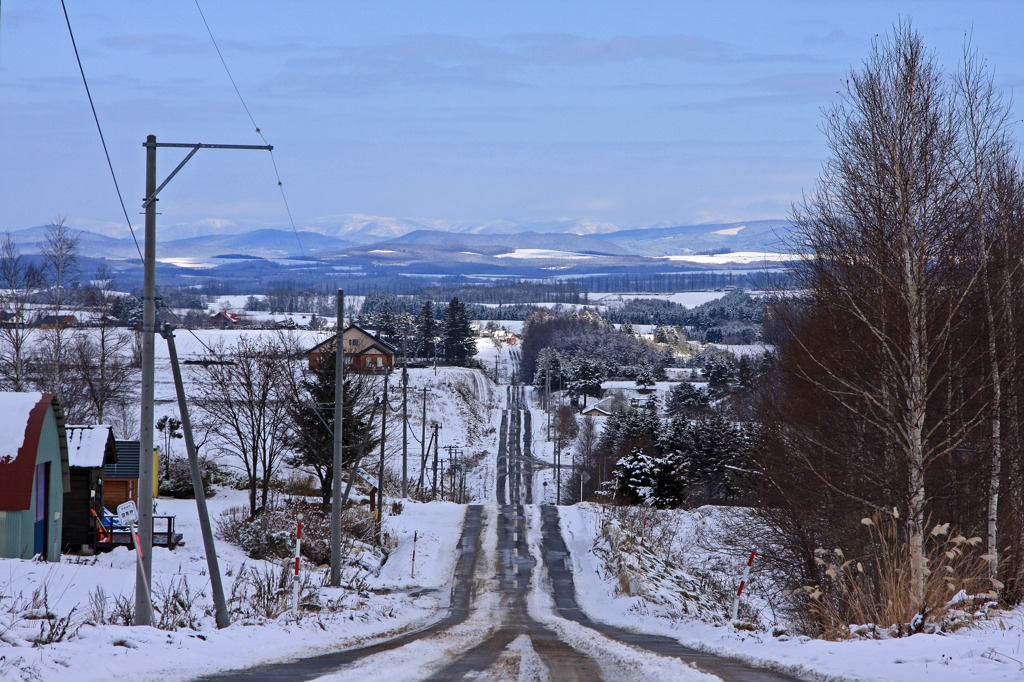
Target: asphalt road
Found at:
x=511, y=622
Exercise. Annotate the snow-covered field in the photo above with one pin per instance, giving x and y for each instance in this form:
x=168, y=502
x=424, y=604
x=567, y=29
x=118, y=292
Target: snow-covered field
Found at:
x=991, y=650
x=468, y=407
x=96, y=651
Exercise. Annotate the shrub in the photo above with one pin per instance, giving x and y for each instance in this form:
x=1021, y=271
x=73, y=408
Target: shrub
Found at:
x=177, y=482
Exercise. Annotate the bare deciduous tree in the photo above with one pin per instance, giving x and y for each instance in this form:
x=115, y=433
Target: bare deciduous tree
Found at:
x=883, y=390
x=242, y=393
x=19, y=280
x=59, y=254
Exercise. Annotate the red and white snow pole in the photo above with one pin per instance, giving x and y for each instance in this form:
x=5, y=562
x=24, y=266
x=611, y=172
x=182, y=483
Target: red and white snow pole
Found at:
x=743, y=583
x=415, y=535
x=295, y=580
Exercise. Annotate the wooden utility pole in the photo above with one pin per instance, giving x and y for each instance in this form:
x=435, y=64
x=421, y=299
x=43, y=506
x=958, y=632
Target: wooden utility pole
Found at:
x=547, y=397
x=405, y=427
x=339, y=432
x=380, y=476
x=436, y=448
x=220, y=605
x=143, y=612
x=423, y=442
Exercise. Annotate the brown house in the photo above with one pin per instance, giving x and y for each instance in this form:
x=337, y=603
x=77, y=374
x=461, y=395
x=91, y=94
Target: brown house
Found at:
x=57, y=321
x=364, y=352
x=224, y=320
x=90, y=449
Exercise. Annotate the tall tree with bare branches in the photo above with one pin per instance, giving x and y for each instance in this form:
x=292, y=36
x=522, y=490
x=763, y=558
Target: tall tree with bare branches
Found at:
x=886, y=381
x=19, y=282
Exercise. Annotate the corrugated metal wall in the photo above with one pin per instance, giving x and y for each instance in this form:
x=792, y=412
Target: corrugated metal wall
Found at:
x=11, y=524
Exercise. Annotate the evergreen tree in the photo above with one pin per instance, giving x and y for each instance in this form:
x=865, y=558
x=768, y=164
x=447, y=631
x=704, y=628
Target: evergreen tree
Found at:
x=312, y=416
x=645, y=376
x=457, y=338
x=426, y=331
x=686, y=399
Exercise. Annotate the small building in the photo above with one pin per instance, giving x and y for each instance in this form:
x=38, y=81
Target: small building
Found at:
x=121, y=484
x=90, y=449
x=34, y=475
x=9, y=320
x=121, y=479
x=595, y=411
x=364, y=352
x=224, y=320
x=57, y=321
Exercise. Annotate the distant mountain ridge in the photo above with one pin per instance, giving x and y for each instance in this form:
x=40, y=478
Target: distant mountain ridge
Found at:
x=370, y=234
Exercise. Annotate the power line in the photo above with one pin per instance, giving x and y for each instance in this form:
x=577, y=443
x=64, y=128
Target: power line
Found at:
x=113, y=175
x=273, y=161
x=99, y=128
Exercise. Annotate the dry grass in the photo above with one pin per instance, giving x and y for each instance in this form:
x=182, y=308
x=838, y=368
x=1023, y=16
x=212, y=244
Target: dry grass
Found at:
x=871, y=595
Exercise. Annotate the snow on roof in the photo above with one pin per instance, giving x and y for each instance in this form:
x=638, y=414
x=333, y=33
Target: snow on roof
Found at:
x=16, y=408
x=87, y=445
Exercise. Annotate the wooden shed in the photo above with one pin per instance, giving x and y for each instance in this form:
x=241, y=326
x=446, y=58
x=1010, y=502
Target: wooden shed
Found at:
x=34, y=475
x=90, y=449
x=121, y=480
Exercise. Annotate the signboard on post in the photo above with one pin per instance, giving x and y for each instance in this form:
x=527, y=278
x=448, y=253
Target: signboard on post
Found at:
x=365, y=476
x=127, y=513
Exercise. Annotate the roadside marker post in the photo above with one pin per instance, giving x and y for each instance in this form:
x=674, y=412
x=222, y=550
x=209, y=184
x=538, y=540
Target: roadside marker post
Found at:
x=415, y=536
x=743, y=583
x=295, y=581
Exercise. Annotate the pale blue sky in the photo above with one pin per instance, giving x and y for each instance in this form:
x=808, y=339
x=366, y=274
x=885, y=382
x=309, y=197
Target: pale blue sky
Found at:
x=631, y=113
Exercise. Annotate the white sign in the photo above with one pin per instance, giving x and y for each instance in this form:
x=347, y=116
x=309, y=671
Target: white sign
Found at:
x=127, y=514
x=363, y=475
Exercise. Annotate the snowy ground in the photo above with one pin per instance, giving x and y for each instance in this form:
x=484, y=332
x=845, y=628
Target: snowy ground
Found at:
x=105, y=652
x=990, y=651
x=468, y=406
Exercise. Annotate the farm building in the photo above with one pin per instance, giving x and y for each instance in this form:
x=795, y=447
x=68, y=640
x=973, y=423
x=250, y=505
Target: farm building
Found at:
x=90, y=449
x=34, y=475
x=364, y=352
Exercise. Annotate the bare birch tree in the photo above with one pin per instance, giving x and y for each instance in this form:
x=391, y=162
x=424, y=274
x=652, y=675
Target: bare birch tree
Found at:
x=883, y=390
x=59, y=254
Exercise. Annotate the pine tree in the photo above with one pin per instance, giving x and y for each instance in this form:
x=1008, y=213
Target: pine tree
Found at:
x=457, y=339
x=426, y=331
x=312, y=416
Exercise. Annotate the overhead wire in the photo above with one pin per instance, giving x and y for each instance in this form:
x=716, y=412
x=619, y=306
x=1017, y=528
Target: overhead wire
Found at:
x=248, y=112
x=113, y=175
x=99, y=128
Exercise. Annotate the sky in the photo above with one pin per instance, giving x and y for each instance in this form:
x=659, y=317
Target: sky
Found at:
x=634, y=114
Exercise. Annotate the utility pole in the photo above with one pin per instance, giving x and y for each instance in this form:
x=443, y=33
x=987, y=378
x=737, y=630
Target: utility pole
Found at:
x=436, y=448
x=143, y=612
x=547, y=397
x=558, y=471
x=423, y=442
x=220, y=605
x=380, y=476
x=339, y=432
x=405, y=427
x=144, y=572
